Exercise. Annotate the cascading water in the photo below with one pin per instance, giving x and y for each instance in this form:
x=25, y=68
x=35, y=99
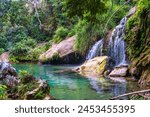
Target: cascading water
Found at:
x=96, y=50
x=116, y=49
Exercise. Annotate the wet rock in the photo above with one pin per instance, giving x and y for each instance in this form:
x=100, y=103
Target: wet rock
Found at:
x=119, y=72
x=94, y=67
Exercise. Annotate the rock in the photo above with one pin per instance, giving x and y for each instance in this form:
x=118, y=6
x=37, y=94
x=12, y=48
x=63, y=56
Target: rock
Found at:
x=134, y=72
x=24, y=87
x=8, y=74
x=4, y=57
x=94, y=67
x=132, y=11
x=63, y=52
x=43, y=88
x=119, y=72
x=119, y=79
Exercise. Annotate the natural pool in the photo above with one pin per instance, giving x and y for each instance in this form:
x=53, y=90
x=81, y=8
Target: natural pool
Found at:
x=72, y=86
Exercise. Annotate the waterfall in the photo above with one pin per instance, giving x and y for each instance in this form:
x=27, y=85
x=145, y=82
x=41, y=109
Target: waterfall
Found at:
x=96, y=50
x=116, y=49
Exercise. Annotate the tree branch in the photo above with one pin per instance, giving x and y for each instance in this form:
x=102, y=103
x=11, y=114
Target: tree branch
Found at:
x=131, y=93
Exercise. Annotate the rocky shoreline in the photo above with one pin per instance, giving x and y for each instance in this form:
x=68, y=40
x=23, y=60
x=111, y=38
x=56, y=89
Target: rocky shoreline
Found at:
x=22, y=86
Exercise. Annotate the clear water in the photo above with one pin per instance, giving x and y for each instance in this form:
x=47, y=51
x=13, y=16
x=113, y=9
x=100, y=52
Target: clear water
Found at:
x=72, y=86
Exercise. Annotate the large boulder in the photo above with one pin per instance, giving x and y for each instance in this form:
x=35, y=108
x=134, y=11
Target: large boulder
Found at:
x=94, y=67
x=63, y=52
x=121, y=71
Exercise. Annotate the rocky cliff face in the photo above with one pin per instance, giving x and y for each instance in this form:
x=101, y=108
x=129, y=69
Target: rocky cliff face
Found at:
x=138, y=43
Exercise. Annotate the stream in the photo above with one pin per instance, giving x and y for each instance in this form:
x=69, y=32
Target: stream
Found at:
x=65, y=85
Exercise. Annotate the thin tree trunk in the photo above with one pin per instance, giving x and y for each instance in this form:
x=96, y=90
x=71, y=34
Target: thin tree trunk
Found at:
x=36, y=12
x=37, y=15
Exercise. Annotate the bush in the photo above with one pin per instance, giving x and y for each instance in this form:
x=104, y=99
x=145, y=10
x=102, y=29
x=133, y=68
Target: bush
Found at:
x=1, y=51
x=87, y=33
x=34, y=54
x=3, y=41
x=22, y=51
x=25, y=77
x=3, y=94
x=17, y=34
x=60, y=34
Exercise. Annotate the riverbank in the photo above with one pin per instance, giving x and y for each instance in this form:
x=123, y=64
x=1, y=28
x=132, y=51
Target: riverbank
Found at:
x=21, y=85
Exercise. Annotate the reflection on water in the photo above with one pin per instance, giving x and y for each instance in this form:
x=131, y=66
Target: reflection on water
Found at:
x=67, y=85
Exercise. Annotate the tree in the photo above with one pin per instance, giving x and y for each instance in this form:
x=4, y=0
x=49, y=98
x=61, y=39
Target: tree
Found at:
x=87, y=9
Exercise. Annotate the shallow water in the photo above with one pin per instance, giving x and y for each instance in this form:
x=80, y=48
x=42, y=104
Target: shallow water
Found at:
x=72, y=86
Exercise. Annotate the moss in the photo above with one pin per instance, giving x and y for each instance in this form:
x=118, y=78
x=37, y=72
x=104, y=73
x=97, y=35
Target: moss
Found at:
x=55, y=57
x=101, y=67
x=138, y=41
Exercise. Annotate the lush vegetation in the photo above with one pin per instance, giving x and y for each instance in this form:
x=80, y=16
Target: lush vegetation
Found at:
x=28, y=28
x=138, y=41
x=24, y=26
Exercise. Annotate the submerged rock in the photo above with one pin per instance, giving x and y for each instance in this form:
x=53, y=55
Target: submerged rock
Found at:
x=95, y=66
x=63, y=52
x=119, y=72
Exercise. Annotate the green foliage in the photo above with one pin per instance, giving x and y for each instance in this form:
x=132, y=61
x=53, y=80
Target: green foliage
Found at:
x=60, y=34
x=22, y=51
x=138, y=41
x=3, y=41
x=22, y=89
x=88, y=32
x=27, y=83
x=16, y=34
x=86, y=20
x=3, y=94
x=40, y=95
x=138, y=30
x=85, y=9
x=54, y=59
x=1, y=51
x=82, y=37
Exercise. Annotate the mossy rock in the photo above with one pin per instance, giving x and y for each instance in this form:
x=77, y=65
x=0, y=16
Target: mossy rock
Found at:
x=138, y=42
